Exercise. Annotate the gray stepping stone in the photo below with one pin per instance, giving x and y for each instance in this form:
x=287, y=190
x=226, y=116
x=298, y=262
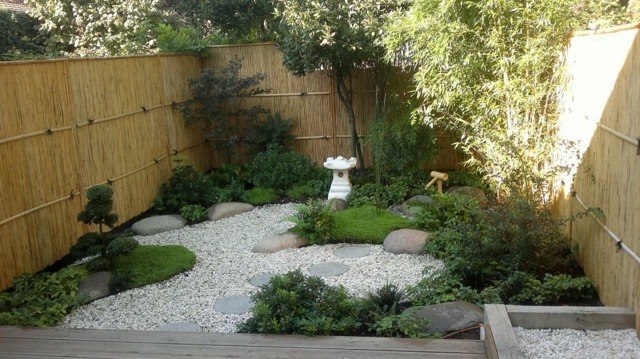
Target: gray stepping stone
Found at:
x=180, y=327
x=261, y=279
x=95, y=286
x=352, y=252
x=328, y=269
x=235, y=304
x=158, y=224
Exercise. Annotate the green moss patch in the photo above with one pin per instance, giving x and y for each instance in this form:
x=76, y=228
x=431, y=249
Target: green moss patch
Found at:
x=366, y=224
x=151, y=264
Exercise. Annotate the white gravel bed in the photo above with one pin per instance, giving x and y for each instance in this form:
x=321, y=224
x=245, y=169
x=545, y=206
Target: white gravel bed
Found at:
x=225, y=263
x=578, y=344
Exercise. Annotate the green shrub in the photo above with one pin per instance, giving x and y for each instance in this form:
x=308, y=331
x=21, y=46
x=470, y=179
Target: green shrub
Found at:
x=185, y=40
x=89, y=244
x=314, y=222
x=563, y=288
x=399, y=325
x=447, y=210
x=366, y=224
x=279, y=169
x=295, y=304
x=273, y=130
x=20, y=38
x=120, y=246
x=193, y=213
x=186, y=186
x=258, y=196
x=444, y=286
x=151, y=264
x=377, y=195
x=466, y=178
x=311, y=189
x=42, y=299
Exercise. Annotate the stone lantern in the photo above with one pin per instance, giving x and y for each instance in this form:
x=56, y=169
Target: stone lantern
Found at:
x=340, y=187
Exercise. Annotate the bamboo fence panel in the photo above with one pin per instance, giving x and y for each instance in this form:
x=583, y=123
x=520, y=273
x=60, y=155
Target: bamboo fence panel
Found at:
x=66, y=125
x=321, y=123
x=602, y=100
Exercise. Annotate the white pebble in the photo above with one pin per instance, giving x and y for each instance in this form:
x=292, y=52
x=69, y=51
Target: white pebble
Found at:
x=225, y=264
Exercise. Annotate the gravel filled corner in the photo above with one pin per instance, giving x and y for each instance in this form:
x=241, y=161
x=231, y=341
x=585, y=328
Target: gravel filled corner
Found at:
x=225, y=264
x=578, y=344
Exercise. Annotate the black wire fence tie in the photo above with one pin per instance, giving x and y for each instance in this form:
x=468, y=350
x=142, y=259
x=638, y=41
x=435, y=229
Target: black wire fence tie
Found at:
x=618, y=246
x=155, y=160
x=109, y=182
x=174, y=152
x=303, y=93
x=573, y=193
x=638, y=149
x=90, y=121
x=48, y=131
x=144, y=109
x=72, y=194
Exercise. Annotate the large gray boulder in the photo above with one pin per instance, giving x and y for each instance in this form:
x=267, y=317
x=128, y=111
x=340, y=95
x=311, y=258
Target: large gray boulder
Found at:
x=473, y=192
x=405, y=241
x=447, y=317
x=95, y=286
x=420, y=199
x=411, y=207
x=227, y=209
x=158, y=224
x=279, y=242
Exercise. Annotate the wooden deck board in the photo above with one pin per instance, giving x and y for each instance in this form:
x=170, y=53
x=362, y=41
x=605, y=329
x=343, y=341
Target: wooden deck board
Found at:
x=82, y=343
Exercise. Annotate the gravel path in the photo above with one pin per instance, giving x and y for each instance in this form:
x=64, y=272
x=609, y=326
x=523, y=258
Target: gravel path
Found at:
x=578, y=344
x=224, y=266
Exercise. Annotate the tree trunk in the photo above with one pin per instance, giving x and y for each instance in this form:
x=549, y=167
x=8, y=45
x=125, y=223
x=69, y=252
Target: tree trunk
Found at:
x=347, y=100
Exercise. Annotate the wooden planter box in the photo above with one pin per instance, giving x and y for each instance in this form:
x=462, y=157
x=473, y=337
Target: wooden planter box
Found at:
x=499, y=320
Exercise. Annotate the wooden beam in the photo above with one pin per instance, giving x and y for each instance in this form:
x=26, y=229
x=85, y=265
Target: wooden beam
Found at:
x=580, y=318
x=504, y=339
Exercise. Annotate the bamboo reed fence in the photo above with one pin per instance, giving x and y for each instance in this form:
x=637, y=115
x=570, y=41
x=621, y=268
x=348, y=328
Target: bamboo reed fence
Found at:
x=600, y=115
x=66, y=125
x=321, y=124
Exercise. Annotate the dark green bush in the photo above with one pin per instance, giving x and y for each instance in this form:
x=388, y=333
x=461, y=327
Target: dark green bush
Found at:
x=314, y=188
x=193, y=213
x=447, y=210
x=42, y=299
x=273, y=130
x=466, y=178
x=314, y=222
x=280, y=169
x=187, y=186
x=120, y=246
x=295, y=304
x=444, y=286
x=20, y=37
x=258, y=196
x=89, y=244
x=377, y=195
x=365, y=224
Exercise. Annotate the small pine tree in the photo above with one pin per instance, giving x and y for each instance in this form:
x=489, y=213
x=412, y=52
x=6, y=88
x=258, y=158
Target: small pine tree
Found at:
x=98, y=209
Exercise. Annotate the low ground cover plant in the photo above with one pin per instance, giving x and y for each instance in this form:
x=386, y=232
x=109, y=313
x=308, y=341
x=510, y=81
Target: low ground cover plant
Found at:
x=42, y=299
x=258, y=196
x=297, y=304
x=514, y=251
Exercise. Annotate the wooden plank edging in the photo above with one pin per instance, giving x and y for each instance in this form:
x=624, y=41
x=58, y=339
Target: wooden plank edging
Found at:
x=580, y=318
x=500, y=332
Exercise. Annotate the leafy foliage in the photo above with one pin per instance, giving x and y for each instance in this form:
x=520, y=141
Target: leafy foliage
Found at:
x=185, y=40
x=377, y=195
x=98, y=28
x=295, y=304
x=488, y=70
x=238, y=20
x=365, y=224
x=314, y=188
x=20, y=38
x=336, y=35
x=217, y=104
x=258, y=196
x=444, y=286
x=42, y=299
x=151, y=264
x=273, y=130
x=447, y=210
x=187, y=186
x=280, y=169
x=193, y=213
x=314, y=222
